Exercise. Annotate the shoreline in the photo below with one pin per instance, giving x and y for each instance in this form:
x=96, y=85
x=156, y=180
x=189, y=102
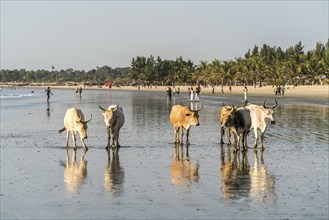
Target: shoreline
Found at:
x=308, y=91
x=318, y=92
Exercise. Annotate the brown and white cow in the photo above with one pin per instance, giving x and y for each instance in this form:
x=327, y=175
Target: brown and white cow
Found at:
x=240, y=122
x=182, y=117
x=74, y=121
x=114, y=120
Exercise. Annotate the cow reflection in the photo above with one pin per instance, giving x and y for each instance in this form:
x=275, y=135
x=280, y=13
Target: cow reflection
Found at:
x=235, y=174
x=262, y=184
x=241, y=180
x=114, y=174
x=183, y=172
x=74, y=173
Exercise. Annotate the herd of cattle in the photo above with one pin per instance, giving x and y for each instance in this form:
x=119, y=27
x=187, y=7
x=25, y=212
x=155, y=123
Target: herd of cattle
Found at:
x=237, y=120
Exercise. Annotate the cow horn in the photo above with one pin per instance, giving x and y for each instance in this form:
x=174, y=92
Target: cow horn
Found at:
x=91, y=116
x=264, y=103
x=224, y=106
x=102, y=108
x=276, y=103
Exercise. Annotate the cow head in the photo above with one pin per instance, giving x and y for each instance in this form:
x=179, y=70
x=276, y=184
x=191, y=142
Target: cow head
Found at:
x=269, y=111
x=225, y=112
x=192, y=116
x=81, y=127
x=109, y=115
x=230, y=116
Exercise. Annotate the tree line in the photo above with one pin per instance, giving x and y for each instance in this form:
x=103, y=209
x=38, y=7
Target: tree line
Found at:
x=259, y=66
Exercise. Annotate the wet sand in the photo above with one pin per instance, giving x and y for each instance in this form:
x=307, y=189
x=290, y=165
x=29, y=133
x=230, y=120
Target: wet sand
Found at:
x=150, y=177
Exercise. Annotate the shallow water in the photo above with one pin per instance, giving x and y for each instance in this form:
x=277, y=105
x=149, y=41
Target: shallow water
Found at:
x=150, y=177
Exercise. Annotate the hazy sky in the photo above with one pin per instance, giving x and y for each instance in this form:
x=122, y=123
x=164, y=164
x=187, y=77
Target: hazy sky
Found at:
x=86, y=34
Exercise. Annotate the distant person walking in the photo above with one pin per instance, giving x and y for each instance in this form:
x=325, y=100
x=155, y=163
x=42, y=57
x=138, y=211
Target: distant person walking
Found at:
x=275, y=91
x=169, y=92
x=80, y=91
x=282, y=91
x=245, y=96
x=197, y=93
x=192, y=95
x=48, y=92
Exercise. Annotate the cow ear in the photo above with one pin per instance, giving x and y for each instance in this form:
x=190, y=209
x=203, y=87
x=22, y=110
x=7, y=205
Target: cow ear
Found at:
x=114, y=109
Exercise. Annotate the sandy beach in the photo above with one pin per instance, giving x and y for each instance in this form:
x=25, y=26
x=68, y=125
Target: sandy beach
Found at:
x=308, y=91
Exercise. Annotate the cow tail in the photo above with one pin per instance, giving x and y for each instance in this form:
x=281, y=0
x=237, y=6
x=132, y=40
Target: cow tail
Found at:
x=63, y=129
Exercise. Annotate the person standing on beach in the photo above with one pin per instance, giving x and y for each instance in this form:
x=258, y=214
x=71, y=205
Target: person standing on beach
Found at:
x=197, y=93
x=282, y=91
x=48, y=93
x=80, y=91
x=245, y=98
x=169, y=92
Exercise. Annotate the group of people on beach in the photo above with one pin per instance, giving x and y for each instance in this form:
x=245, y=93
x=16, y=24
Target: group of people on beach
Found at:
x=171, y=92
x=195, y=95
x=279, y=90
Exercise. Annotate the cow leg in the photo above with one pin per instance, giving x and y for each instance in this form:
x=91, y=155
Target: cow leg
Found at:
x=108, y=139
x=256, y=137
x=222, y=132
x=176, y=130
x=67, y=138
x=228, y=136
x=187, y=134
x=118, y=145
x=84, y=144
x=74, y=140
x=113, y=141
x=262, y=141
x=181, y=135
x=237, y=146
x=244, y=140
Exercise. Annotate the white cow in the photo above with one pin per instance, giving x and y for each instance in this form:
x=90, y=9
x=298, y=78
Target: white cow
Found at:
x=74, y=121
x=114, y=120
x=259, y=115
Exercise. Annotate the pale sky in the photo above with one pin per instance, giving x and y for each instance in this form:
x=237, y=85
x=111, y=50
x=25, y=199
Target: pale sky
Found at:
x=85, y=34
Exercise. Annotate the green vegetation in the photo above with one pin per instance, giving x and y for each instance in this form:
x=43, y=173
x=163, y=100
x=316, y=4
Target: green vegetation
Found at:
x=259, y=66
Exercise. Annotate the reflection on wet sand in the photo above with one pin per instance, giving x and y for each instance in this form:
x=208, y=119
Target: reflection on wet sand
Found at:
x=114, y=174
x=240, y=180
x=183, y=172
x=262, y=184
x=74, y=173
x=235, y=174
